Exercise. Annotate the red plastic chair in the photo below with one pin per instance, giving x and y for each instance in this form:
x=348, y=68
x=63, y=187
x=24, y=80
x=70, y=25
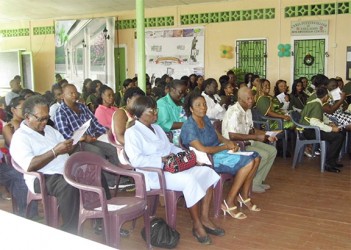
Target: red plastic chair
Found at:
x=50, y=205
x=83, y=171
x=171, y=197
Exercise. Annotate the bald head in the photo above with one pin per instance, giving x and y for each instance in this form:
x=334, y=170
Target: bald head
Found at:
x=245, y=98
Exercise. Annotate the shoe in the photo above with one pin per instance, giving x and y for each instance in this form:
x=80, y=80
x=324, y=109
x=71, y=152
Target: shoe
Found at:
x=124, y=233
x=246, y=202
x=317, y=152
x=206, y=240
x=216, y=231
x=226, y=209
x=97, y=225
x=265, y=186
x=308, y=154
x=339, y=165
x=331, y=168
x=258, y=189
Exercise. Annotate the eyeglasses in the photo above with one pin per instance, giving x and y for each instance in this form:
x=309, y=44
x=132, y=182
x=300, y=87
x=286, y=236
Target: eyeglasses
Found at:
x=152, y=111
x=41, y=119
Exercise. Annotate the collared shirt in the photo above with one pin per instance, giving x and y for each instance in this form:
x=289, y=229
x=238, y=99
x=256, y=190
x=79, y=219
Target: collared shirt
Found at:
x=169, y=112
x=104, y=115
x=237, y=120
x=312, y=114
x=67, y=121
x=53, y=109
x=26, y=143
x=9, y=96
x=214, y=109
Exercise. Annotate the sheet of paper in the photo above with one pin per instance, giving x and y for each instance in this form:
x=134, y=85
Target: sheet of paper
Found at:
x=239, y=153
x=281, y=97
x=201, y=157
x=111, y=207
x=273, y=133
x=335, y=93
x=80, y=132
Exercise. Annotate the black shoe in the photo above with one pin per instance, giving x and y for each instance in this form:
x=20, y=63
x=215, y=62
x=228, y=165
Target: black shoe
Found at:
x=339, y=165
x=216, y=231
x=124, y=233
x=331, y=168
x=206, y=240
x=97, y=225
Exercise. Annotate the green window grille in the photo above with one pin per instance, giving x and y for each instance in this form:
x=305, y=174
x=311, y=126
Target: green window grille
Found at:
x=251, y=56
x=318, y=9
x=314, y=48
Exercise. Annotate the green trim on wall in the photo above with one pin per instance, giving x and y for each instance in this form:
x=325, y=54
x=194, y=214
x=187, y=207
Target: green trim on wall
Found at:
x=46, y=30
x=15, y=32
x=228, y=16
x=318, y=9
x=149, y=22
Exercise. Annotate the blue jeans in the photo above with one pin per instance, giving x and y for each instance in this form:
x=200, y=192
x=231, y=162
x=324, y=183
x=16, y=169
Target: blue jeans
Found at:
x=15, y=184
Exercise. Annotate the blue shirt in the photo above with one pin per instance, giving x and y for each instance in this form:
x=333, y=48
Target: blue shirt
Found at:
x=67, y=121
x=191, y=132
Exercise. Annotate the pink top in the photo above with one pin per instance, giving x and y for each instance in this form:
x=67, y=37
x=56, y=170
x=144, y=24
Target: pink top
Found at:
x=104, y=115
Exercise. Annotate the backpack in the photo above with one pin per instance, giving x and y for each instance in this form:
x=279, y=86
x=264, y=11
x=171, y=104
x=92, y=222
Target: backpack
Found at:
x=161, y=234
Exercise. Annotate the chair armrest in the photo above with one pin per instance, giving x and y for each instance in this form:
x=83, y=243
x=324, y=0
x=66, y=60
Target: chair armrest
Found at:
x=139, y=179
x=160, y=174
x=279, y=120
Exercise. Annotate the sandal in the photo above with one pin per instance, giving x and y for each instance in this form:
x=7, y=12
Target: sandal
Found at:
x=226, y=209
x=247, y=203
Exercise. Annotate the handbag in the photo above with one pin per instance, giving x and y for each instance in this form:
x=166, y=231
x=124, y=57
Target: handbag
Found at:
x=161, y=234
x=179, y=162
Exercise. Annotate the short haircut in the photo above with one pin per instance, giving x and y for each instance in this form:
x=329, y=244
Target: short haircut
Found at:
x=127, y=82
x=25, y=92
x=16, y=101
x=55, y=87
x=189, y=100
x=142, y=103
x=321, y=92
x=319, y=80
x=33, y=101
x=175, y=83
x=208, y=82
x=132, y=92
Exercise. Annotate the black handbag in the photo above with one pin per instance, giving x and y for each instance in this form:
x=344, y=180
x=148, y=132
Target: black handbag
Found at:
x=162, y=235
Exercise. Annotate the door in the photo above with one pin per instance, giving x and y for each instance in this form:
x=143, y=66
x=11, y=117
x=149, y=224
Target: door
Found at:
x=309, y=57
x=120, y=67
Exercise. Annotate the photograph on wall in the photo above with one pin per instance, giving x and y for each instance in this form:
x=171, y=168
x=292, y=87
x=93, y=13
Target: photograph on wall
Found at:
x=81, y=49
x=176, y=52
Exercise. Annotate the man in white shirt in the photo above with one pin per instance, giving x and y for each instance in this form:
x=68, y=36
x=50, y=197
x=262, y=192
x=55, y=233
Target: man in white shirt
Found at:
x=238, y=125
x=38, y=147
x=15, y=85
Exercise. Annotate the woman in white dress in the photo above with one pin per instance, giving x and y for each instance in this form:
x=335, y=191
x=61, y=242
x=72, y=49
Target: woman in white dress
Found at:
x=147, y=145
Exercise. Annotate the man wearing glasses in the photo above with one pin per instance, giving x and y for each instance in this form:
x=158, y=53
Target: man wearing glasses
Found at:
x=38, y=147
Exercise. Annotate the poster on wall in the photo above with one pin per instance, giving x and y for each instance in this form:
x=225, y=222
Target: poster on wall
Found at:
x=176, y=52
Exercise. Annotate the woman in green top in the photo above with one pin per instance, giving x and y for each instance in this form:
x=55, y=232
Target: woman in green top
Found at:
x=270, y=106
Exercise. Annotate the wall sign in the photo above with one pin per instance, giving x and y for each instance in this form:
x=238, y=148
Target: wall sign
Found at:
x=309, y=28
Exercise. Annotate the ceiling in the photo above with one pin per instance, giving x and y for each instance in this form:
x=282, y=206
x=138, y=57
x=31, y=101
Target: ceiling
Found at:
x=18, y=10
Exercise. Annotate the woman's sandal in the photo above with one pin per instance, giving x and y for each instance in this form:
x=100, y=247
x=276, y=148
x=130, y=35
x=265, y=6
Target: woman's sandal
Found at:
x=226, y=209
x=246, y=202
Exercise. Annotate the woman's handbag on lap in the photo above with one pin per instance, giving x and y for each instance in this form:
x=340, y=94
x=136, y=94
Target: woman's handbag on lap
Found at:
x=179, y=162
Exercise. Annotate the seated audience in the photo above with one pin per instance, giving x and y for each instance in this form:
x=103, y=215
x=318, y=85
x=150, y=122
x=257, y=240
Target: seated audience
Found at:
x=91, y=100
x=171, y=113
x=16, y=87
x=298, y=97
x=71, y=115
x=281, y=88
x=57, y=93
x=312, y=114
x=123, y=119
x=17, y=117
x=237, y=125
x=146, y=144
x=228, y=93
x=199, y=83
x=214, y=108
x=199, y=133
x=38, y=147
x=106, y=107
x=269, y=106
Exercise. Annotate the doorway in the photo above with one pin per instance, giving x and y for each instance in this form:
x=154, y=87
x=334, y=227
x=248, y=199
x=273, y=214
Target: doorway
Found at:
x=120, y=66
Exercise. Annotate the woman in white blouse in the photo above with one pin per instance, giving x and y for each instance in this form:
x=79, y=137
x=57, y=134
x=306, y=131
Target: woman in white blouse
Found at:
x=146, y=144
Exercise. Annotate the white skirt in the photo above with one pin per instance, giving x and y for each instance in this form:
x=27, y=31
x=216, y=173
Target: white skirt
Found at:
x=193, y=182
